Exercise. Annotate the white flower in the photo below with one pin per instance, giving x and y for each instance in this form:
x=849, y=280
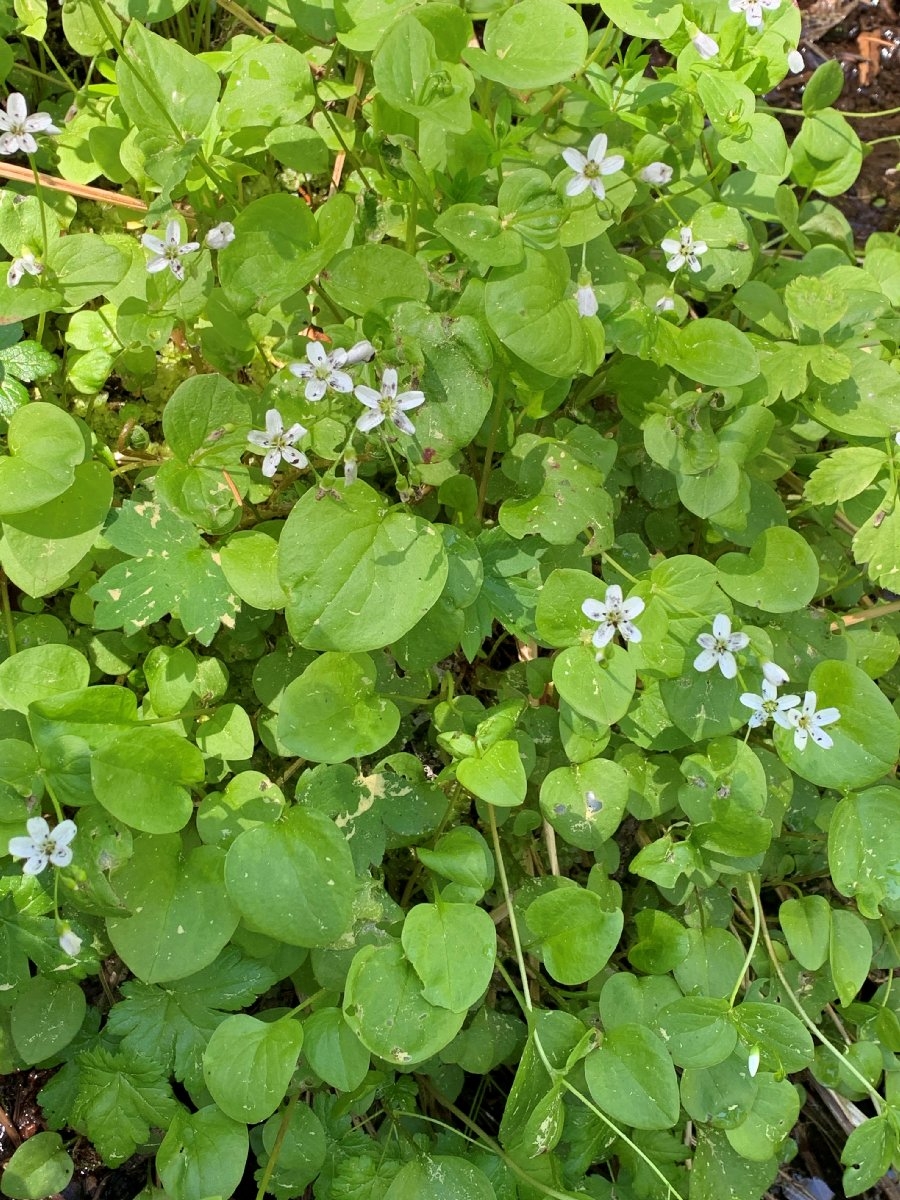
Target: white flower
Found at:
x=615, y=616
x=586, y=299
x=705, y=46
x=767, y=705
x=588, y=169
x=168, y=253
x=753, y=9
x=18, y=267
x=685, y=250
x=796, y=62
x=359, y=353
x=220, y=236
x=322, y=372
x=279, y=442
x=753, y=1061
x=387, y=403
x=664, y=304
x=807, y=723
x=43, y=845
x=773, y=673
x=719, y=646
x=70, y=942
x=659, y=173
x=18, y=127
x=351, y=470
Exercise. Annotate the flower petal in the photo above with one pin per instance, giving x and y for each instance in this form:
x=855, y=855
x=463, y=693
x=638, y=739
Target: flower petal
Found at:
x=173, y=233
x=188, y=247
x=61, y=856
x=258, y=437
x=294, y=434
x=706, y=640
x=274, y=423
x=705, y=661
x=632, y=607
x=315, y=352
x=389, y=383
x=728, y=664
x=596, y=185
x=38, y=829
x=673, y=264
x=721, y=626
x=64, y=832
x=738, y=641
x=368, y=396
x=341, y=382
x=301, y=370
x=827, y=716
x=670, y=246
x=574, y=159
x=295, y=457
x=359, y=353
x=800, y=738
x=403, y=423
x=610, y=165
x=16, y=108
x=604, y=635
x=407, y=400
x=821, y=738
x=35, y=864
x=270, y=463
x=594, y=610
x=577, y=184
x=315, y=389
x=369, y=420
x=751, y=700
x=630, y=632
x=153, y=243
x=21, y=847
x=597, y=148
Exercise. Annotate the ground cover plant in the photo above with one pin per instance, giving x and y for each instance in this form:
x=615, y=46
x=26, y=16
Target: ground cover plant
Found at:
x=448, y=691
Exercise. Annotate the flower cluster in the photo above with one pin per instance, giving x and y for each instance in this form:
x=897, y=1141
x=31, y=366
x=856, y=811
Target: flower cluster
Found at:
x=684, y=251
x=19, y=129
x=168, y=252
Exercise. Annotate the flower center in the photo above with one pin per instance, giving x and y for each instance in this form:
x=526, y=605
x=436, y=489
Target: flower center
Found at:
x=591, y=169
x=47, y=846
x=721, y=646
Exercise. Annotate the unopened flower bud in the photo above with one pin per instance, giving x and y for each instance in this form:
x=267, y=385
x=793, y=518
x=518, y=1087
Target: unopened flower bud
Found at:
x=658, y=173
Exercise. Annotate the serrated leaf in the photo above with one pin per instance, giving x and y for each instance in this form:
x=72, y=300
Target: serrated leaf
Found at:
x=843, y=474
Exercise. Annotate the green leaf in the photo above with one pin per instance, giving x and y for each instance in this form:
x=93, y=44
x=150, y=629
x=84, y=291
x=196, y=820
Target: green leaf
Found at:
x=163, y=88
x=532, y=45
x=203, y=1154
x=585, y=803
x=476, y=232
x=250, y=564
x=720, y=1171
x=697, y=1031
x=117, y=1102
x=827, y=153
x=171, y=674
x=141, y=776
x=440, y=1177
x=270, y=85
x=45, y=446
x=783, y=1042
x=294, y=880
x=332, y=711
x=564, y=493
x=868, y=1153
x=806, y=923
x=46, y=1016
x=866, y=738
x=877, y=545
x=297, y=1146
x=849, y=953
x=603, y=690
x=248, y=1065
x=39, y=1167
x=462, y=856
x=575, y=932
x=631, y=1077
x=710, y=351
x=173, y=571
x=68, y=727
x=824, y=87
x=277, y=248
x=451, y=948
x=844, y=473
x=366, y=276
x=181, y=915
x=780, y=574
x=385, y=1008
x=864, y=850
x=333, y=1051
x=171, y=1025
x=40, y=671
x=85, y=267
x=358, y=575
x=412, y=77
x=864, y=403
x=528, y=308
x=496, y=776
x=773, y=1115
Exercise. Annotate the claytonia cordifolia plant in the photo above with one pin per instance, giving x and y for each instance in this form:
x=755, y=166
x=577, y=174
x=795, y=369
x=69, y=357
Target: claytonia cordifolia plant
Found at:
x=70, y=942
x=769, y=704
x=44, y=845
x=719, y=647
x=656, y=173
x=19, y=128
x=807, y=723
x=26, y=263
x=387, y=403
x=615, y=616
x=278, y=442
x=220, y=236
x=168, y=253
x=705, y=46
x=684, y=251
x=586, y=297
x=590, y=168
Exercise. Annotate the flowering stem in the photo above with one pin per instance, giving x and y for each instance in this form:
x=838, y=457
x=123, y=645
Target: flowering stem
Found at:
x=754, y=940
x=7, y=612
x=276, y=1149
x=617, y=567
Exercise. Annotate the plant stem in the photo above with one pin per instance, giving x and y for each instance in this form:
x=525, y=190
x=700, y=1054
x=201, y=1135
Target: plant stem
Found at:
x=754, y=941
x=491, y=442
x=276, y=1149
x=7, y=612
x=511, y=912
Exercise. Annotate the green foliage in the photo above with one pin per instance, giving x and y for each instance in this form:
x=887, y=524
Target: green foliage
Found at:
x=449, y=701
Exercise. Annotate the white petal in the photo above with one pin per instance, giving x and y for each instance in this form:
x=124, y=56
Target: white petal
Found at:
x=360, y=353
x=16, y=108
x=38, y=829
x=21, y=847
x=670, y=246
x=188, y=247
x=630, y=632
x=610, y=165
x=315, y=389
x=809, y=703
x=694, y=263
x=783, y=719
x=604, y=635
x=368, y=396
x=64, y=832
x=301, y=370
x=827, y=716
x=597, y=188
x=577, y=184
x=389, y=383
x=788, y=702
x=369, y=420
x=597, y=148
x=727, y=664
x=15, y=273
x=270, y=463
x=758, y=718
x=341, y=382
x=295, y=433
x=274, y=423
x=408, y=400
x=632, y=607
x=9, y=143
x=575, y=159
x=706, y=640
x=173, y=233
x=70, y=943
x=721, y=626
x=315, y=352
x=61, y=856
x=27, y=143
x=796, y=62
x=700, y=247
x=773, y=673
x=613, y=597
x=675, y=263
x=153, y=243
x=295, y=457
x=705, y=661
x=258, y=437
x=800, y=738
x=594, y=609
x=821, y=738
x=750, y=700
x=35, y=865
x=738, y=641
x=177, y=269
x=403, y=423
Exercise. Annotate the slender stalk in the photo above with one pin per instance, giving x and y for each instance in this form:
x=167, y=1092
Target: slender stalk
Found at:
x=7, y=612
x=276, y=1149
x=511, y=912
x=754, y=940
